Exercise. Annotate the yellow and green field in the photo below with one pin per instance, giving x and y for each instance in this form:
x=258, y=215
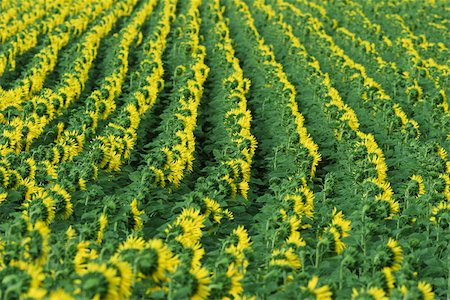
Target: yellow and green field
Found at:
x=224, y=149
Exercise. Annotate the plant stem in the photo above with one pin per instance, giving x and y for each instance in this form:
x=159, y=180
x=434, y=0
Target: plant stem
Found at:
x=448, y=275
x=317, y=254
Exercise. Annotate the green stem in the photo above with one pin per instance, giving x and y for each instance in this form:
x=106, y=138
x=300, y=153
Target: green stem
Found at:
x=318, y=254
x=363, y=235
x=170, y=294
x=341, y=275
x=448, y=277
x=302, y=258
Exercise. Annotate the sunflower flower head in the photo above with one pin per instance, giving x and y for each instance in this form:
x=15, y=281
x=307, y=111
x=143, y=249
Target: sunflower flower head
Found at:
x=84, y=255
x=395, y=255
x=286, y=258
x=3, y=195
x=70, y=232
x=389, y=279
x=135, y=215
x=61, y=294
x=420, y=185
x=125, y=273
x=98, y=280
x=202, y=280
x=373, y=293
x=235, y=278
x=312, y=289
x=39, y=235
x=191, y=223
x=63, y=197
x=441, y=213
x=156, y=260
x=41, y=206
x=213, y=208
x=102, y=221
x=426, y=290
x=32, y=287
x=341, y=223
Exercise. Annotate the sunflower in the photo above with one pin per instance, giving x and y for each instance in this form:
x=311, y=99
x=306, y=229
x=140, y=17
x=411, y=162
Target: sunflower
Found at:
x=50, y=169
x=240, y=243
x=125, y=272
x=162, y=260
x=135, y=215
x=31, y=167
x=2, y=248
x=339, y=245
x=37, y=277
x=244, y=187
x=243, y=238
x=191, y=222
x=320, y=293
x=339, y=229
x=169, y=159
x=177, y=169
x=235, y=278
x=38, y=232
x=228, y=214
x=394, y=206
x=102, y=221
x=159, y=176
x=132, y=243
x=129, y=250
x=442, y=153
x=196, y=254
x=4, y=176
x=421, y=186
x=426, y=289
x=423, y=291
x=94, y=171
x=303, y=201
x=42, y=205
x=201, y=289
x=389, y=278
x=83, y=255
x=373, y=292
x=61, y=192
x=3, y=195
x=70, y=232
x=107, y=282
x=231, y=184
x=342, y=224
x=56, y=156
x=446, y=178
x=82, y=184
x=443, y=207
x=134, y=115
x=295, y=239
x=129, y=141
x=213, y=207
x=60, y=294
x=286, y=258
x=396, y=255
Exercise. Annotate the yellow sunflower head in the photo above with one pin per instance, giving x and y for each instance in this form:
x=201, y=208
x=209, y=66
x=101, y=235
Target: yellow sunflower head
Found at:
x=135, y=217
x=98, y=280
x=125, y=273
x=373, y=293
x=395, y=255
x=316, y=292
x=202, y=279
x=441, y=213
x=156, y=261
x=40, y=206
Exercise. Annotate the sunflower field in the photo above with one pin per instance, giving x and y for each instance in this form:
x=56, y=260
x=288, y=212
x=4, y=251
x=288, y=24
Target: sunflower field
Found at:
x=224, y=149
